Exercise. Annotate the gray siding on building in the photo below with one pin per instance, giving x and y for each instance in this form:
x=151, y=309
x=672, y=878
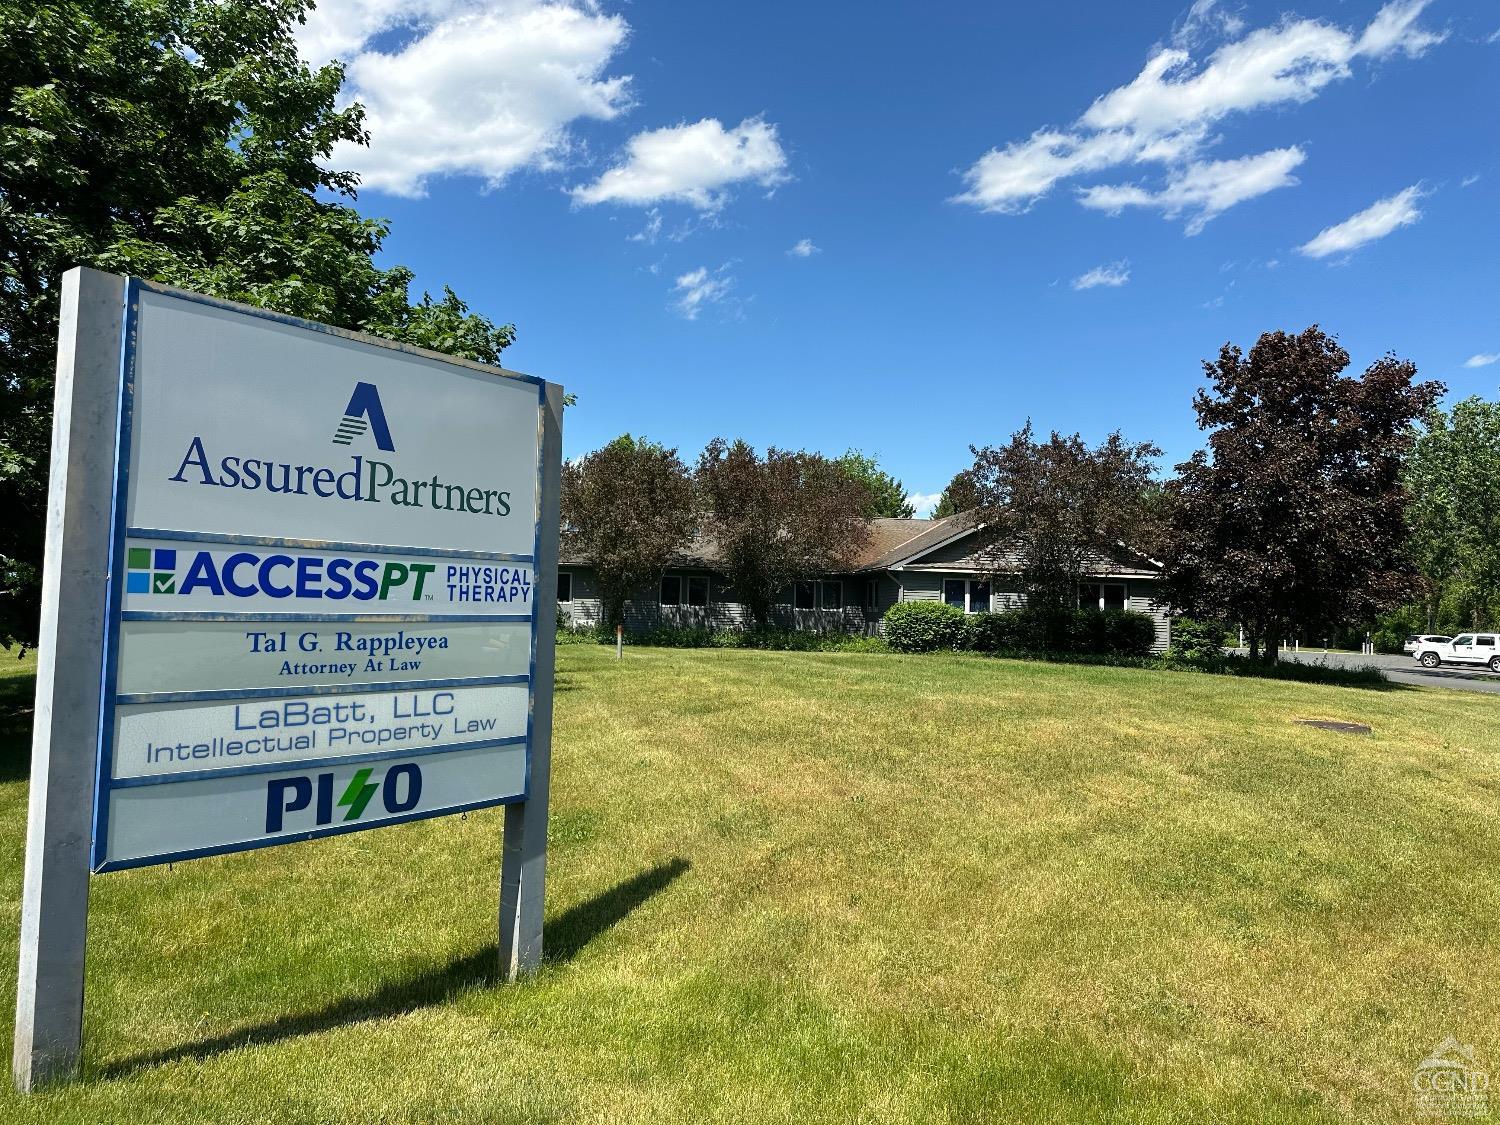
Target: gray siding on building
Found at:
x=1140, y=596
x=725, y=611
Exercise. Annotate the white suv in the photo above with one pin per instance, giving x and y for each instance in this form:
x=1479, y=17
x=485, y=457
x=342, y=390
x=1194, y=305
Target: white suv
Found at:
x=1415, y=642
x=1466, y=648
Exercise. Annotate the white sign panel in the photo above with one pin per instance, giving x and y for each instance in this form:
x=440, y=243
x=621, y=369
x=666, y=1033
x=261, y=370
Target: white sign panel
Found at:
x=323, y=607
x=252, y=810
x=193, y=656
x=169, y=740
x=248, y=426
x=174, y=577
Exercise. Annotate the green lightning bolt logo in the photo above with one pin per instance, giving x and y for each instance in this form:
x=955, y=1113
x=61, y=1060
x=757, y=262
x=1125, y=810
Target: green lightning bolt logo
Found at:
x=358, y=794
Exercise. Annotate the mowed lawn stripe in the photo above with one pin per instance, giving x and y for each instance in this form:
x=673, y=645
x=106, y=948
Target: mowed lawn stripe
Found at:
x=836, y=887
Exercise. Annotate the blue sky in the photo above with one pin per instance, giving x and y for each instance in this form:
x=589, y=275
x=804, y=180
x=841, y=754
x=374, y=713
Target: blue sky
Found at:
x=906, y=228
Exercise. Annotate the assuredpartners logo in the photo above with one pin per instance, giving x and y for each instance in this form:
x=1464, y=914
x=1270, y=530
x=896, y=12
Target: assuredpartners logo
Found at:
x=360, y=480
x=400, y=788
x=364, y=412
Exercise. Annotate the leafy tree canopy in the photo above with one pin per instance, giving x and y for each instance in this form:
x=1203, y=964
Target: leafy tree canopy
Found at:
x=961, y=495
x=887, y=494
x=185, y=142
x=1453, y=475
x=628, y=509
x=779, y=518
x=1295, y=516
x=1052, y=509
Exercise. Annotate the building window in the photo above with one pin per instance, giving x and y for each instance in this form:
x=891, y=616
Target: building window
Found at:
x=802, y=596
x=564, y=586
x=833, y=594
x=684, y=589
x=972, y=595
x=979, y=597
x=872, y=593
x=1101, y=595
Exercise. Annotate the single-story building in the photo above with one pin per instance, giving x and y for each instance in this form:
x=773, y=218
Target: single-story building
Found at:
x=904, y=560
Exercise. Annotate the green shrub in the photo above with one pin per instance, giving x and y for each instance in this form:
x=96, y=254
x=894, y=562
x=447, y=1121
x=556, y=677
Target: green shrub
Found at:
x=924, y=626
x=1312, y=672
x=1127, y=633
x=1198, y=640
x=1108, y=632
x=700, y=636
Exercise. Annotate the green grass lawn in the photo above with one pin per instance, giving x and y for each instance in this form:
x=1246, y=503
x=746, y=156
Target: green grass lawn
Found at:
x=807, y=887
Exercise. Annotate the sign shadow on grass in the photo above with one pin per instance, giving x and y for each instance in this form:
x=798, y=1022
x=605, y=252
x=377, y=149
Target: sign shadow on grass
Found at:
x=567, y=935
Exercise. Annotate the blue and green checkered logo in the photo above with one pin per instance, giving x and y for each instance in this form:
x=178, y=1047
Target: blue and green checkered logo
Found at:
x=151, y=571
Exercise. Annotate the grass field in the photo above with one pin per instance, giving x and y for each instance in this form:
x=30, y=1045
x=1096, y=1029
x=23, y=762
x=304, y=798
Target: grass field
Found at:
x=804, y=887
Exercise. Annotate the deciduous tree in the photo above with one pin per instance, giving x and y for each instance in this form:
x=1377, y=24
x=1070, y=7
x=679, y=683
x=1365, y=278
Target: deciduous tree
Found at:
x=182, y=141
x=959, y=496
x=1453, y=474
x=887, y=495
x=778, y=519
x=1051, y=508
x=1294, y=518
x=629, y=510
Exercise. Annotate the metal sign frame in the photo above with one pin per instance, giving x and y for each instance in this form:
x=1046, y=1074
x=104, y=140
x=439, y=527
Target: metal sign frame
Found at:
x=78, y=665
x=116, y=616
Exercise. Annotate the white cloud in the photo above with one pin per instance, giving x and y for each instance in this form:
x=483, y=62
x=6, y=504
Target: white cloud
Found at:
x=339, y=28
x=1394, y=28
x=1483, y=359
x=1203, y=189
x=1469, y=181
x=1167, y=114
x=693, y=164
x=1207, y=19
x=649, y=233
x=483, y=89
x=923, y=503
x=697, y=289
x=1011, y=179
x=1113, y=275
x=804, y=249
x=1375, y=221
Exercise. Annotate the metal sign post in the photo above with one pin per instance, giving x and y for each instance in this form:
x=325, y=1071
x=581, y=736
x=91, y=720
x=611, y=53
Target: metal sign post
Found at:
x=70, y=658
x=294, y=586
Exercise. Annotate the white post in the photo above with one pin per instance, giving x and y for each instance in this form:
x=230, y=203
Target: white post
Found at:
x=619, y=642
x=523, y=856
x=70, y=657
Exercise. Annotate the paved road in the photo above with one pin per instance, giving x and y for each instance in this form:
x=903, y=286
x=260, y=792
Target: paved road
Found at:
x=1405, y=670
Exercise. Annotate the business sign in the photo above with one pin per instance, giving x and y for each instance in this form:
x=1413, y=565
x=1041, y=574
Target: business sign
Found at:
x=323, y=590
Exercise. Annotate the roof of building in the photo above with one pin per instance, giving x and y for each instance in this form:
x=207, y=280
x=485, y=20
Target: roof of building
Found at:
x=893, y=540
x=891, y=543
